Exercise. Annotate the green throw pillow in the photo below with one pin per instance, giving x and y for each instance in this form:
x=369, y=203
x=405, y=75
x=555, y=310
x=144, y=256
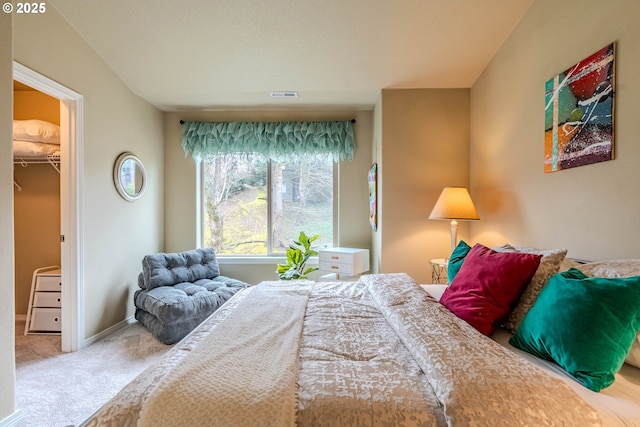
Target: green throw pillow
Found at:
x=456, y=259
x=584, y=324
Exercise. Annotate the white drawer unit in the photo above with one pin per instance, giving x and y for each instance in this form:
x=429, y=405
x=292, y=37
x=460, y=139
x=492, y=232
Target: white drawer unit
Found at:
x=49, y=283
x=347, y=261
x=45, y=320
x=45, y=302
x=47, y=299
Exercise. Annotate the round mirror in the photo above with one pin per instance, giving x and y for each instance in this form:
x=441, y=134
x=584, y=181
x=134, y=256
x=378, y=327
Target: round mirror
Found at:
x=129, y=176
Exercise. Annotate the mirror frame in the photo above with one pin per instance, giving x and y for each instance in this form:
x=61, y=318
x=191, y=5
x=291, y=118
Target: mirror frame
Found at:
x=120, y=161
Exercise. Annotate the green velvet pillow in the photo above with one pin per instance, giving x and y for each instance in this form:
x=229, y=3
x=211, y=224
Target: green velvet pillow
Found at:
x=456, y=259
x=585, y=324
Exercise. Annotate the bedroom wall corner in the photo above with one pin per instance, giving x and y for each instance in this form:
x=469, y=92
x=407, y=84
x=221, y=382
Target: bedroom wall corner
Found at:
x=180, y=190
x=116, y=233
x=590, y=210
x=376, y=157
x=424, y=147
x=7, y=309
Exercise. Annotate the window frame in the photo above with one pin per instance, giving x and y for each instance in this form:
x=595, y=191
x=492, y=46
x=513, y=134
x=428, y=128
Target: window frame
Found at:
x=269, y=258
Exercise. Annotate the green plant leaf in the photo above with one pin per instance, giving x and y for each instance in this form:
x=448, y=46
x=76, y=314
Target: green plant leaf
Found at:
x=310, y=270
x=297, y=258
x=282, y=268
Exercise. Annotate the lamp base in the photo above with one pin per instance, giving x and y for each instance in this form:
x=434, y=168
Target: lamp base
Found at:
x=454, y=234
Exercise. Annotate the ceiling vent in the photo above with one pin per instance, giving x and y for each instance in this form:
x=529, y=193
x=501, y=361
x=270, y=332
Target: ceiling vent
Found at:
x=284, y=94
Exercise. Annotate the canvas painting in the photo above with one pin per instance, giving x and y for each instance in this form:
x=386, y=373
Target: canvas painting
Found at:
x=373, y=209
x=579, y=105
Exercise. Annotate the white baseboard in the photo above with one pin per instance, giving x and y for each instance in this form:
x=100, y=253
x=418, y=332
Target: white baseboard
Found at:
x=108, y=331
x=96, y=337
x=12, y=419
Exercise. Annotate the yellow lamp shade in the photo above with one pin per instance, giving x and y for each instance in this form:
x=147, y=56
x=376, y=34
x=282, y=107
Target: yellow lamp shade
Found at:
x=454, y=203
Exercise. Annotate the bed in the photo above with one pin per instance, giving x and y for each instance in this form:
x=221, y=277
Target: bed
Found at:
x=381, y=351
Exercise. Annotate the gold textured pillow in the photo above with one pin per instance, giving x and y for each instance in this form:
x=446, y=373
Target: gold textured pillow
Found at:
x=549, y=265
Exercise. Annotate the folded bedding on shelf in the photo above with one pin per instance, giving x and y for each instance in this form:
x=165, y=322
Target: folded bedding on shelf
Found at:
x=28, y=149
x=36, y=131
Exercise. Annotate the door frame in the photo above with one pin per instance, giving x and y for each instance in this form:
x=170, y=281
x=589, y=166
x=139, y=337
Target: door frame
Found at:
x=71, y=212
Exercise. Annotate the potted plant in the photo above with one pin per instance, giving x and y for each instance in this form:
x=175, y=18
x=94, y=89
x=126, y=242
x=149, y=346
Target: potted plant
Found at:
x=298, y=254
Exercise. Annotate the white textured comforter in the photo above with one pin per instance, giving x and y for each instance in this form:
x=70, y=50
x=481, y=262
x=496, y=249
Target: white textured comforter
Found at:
x=378, y=353
x=252, y=367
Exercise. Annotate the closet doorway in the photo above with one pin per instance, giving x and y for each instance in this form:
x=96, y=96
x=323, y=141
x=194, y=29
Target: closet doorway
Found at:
x=71, y=224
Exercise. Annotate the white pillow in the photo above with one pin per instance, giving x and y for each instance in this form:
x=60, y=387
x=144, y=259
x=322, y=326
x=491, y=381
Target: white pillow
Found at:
x=31, y=149
x=435, y=291
x=613, y=269
x=36, y=131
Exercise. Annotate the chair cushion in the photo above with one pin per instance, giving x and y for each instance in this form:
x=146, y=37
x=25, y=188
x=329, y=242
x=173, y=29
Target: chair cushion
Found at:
x=168, y=269
x=174, y=303
x=171, y=312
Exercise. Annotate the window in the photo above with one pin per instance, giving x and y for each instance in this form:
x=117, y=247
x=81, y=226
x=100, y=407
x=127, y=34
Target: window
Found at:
x=265, y=182
x=253, y=205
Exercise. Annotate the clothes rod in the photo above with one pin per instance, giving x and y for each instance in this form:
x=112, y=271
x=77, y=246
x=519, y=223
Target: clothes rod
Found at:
x=352, y=121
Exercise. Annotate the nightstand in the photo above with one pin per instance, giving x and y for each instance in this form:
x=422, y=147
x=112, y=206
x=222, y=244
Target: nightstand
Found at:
x=439, y=270
x=344, y=261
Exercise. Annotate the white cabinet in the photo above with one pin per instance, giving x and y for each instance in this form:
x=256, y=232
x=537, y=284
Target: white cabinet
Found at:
x=45, y=302
x=346, y=261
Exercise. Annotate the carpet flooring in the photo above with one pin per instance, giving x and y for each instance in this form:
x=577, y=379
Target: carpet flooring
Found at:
x=56, y=389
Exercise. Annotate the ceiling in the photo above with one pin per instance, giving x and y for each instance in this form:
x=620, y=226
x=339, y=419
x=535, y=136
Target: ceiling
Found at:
x=229, y=54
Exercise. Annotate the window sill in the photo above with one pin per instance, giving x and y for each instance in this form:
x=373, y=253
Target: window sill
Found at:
x=238, y=260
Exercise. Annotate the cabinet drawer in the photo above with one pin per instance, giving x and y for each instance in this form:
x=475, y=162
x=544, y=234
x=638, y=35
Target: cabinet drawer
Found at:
x=45, y=320
x=349, y=261
x=336, y=267
x=48, y=283
x=333, y=257
x=47, y=299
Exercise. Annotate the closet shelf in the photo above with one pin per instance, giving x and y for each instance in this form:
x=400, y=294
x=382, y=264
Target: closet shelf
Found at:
x=52, y=159
x=24, y=161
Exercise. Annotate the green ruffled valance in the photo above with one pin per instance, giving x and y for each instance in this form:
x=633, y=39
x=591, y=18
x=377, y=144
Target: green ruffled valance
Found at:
x=276, y=140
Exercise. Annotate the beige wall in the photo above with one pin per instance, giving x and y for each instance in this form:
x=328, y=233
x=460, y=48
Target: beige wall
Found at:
x=594, y=210
x=31, y=104
x=117, y=233
x=36, y=226
x=7, y=325
x=37, y=204
x=376, y=157
x=181, y=226
x=424, y=147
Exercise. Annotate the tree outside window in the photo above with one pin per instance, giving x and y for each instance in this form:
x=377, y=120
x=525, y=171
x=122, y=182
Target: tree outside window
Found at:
x=239, y=188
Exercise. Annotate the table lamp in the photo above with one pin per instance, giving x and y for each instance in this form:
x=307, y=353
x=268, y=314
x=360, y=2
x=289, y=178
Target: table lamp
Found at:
x=454, y=204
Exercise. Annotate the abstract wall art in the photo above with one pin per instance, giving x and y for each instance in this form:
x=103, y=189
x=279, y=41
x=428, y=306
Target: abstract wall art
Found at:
x=579, y=106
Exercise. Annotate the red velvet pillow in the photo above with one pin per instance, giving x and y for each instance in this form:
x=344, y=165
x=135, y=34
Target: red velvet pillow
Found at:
x=488, y=286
